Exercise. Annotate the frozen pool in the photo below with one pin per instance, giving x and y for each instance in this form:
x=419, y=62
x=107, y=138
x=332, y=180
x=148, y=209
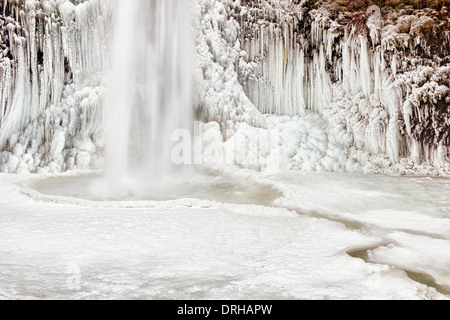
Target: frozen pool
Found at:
x=323, y=236
x=213, y=185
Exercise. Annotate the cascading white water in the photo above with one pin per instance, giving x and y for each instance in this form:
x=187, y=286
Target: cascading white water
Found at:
x=151, y=88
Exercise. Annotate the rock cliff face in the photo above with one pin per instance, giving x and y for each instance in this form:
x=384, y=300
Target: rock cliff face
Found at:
x=357, y=86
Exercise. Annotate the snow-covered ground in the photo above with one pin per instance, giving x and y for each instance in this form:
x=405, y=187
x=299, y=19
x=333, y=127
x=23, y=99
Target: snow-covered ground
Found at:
x=329, y=236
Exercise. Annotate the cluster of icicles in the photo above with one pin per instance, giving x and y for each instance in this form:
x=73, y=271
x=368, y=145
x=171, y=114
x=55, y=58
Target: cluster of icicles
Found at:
x=49, y=84
x=354, y=87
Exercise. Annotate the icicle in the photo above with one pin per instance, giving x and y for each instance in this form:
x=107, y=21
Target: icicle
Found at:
x=394, y=65
x=16, y=112
x=300, y=87
x=365, y=69
x=346, y=65
x=407, y=115
x=378, y=75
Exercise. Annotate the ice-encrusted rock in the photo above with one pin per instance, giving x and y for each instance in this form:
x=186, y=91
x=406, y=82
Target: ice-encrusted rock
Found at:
x=54, y=53
x=373, y=73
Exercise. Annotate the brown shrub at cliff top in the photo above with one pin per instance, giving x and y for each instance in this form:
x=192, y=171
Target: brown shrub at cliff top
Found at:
x=416, y=4
x=422, y=26
x=404, y=23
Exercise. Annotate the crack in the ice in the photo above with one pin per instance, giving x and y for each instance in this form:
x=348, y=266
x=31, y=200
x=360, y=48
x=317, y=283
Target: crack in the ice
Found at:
x=348, y=223
x=424, y=234
x=363, y=252
x=419, y=277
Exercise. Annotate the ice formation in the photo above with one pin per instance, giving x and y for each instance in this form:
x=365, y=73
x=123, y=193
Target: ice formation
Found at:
x=385, y=100
x=51, y=84
x=344, y=89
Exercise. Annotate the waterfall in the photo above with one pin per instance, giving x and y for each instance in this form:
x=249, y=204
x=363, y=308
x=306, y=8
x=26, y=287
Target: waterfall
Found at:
x=151, y=89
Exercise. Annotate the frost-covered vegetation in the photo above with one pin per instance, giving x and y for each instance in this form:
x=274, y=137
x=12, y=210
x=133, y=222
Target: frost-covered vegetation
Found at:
x=346, y=86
